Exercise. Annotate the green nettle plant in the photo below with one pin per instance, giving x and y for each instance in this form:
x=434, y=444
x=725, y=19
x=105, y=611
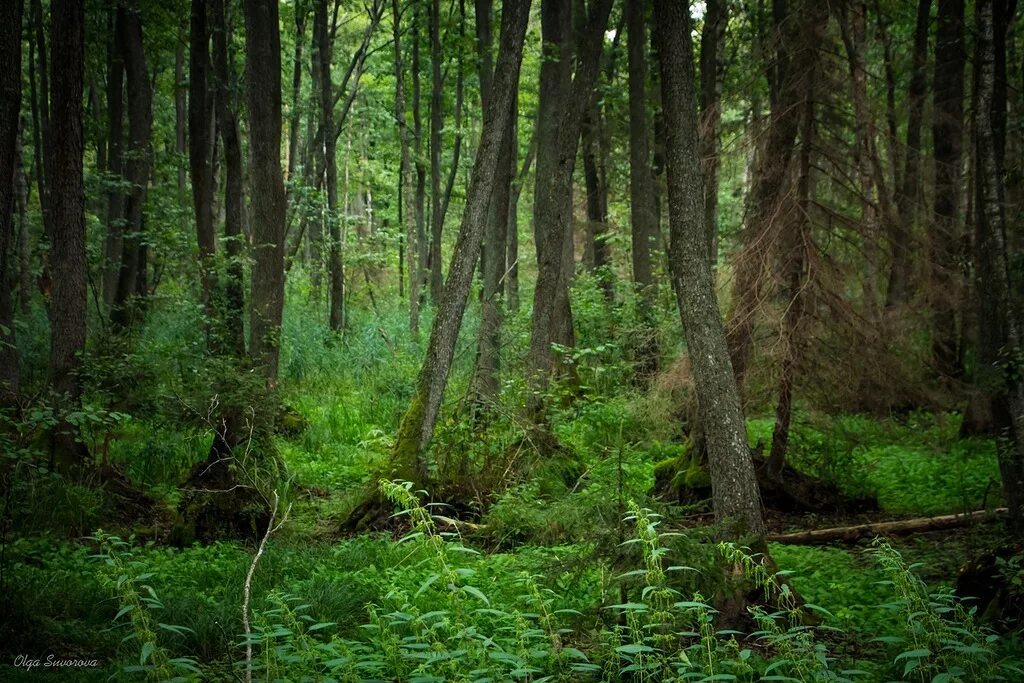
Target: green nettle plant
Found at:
x=941, y=642
x=138, y=601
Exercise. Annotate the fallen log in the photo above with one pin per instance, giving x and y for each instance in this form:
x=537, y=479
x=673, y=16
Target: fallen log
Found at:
x=852, y=534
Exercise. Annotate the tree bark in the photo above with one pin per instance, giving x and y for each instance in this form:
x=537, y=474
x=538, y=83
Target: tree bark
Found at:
x=408, y=199
x=294, y=118
x=233, y=326
x=10, y=115
x=200, y=153
x=417, y=427
x=336, y=270
x=422, y=244
x=114, y=241
x=852, y=534
x=137, y=167
x=436, y=123
x=562, y=102
x=512, y=253
x=947, y=134
x=1000, y=321
x=736, y=498
x=712, y=75
x=493, y=257
x=908, y=192
x=66, y=229
x=263, y=97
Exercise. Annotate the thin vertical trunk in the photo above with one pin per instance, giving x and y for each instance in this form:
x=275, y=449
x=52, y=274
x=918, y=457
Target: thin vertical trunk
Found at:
x=512, y=253
x=200, y=152
x=66, y=229
x=10, y=114
x=417, y=427
x=485, y=374
x=712, y=74
x=562, y=103
x=795, y=263
x=180, y=121
x=408, y=200
x=294, y=118
x=735, y=493
x=138, y=160
x=422, y=245
x=263, y=99
x=322, y=40
x=114, y=240
x=24, y=236
x=642, y=211
x=908, y=191
x=436, y=123
x=233, y=328
x=594, y=177
x=947, y=134
x=1000, y=320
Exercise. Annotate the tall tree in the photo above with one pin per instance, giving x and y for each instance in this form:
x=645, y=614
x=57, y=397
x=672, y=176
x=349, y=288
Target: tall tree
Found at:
x=908, y=191
x=138, y=160
x=114, y=241
x=263, y=100
x=405, y=171
x=10, y=124
x=233, y=306
x=563, y=99
x=323, y=50
x=65, y=219
x=417, y=427
x=1001, y=344
x=736, y=497
x=947, y=142
x=493, y=257
x=712, y=74
x=200, y=151
x=436, y=123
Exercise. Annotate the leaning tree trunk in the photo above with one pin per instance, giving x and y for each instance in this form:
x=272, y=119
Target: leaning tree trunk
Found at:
x=263, y=97
x=947, y=134
x=10, y=113
x=737, y=501
x=66, y=229
x=1001, y=347
x=137, y=167
x=408, y=460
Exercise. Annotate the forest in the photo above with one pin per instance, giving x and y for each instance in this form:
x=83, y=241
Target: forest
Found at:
x=528, y=340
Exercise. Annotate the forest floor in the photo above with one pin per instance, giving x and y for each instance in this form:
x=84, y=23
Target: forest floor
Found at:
x=561, y=524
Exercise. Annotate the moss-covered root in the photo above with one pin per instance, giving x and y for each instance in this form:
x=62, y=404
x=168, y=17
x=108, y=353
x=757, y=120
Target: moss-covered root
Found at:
x=684, y=478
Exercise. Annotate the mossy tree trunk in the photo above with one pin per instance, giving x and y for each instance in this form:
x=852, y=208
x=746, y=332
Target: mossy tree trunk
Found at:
x=736, y=497
x=408, y=460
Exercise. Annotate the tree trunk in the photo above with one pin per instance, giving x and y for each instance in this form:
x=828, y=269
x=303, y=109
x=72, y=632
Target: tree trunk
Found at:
x=712, y=75
x=10, y=114
x=180, y=122
x=417, y=427
x=763, y=221
x=294, y=118
x=323, y=47
x=233, y=324
x=137, y=167
x=1000, y=321
x=436, y=123
x=561, y=105
x=947, y=134
x=908, y=192
x=493, y=257
x=66, y=229
x=736, y=497
x=200, y=153
x=263, y=97
x=408, y=200
x=114, y=241
x=422, y=244
x=594, y=178
x=512, y=253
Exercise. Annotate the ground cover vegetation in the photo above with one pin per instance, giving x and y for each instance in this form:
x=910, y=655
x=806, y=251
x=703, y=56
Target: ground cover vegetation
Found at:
x=564, y=340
